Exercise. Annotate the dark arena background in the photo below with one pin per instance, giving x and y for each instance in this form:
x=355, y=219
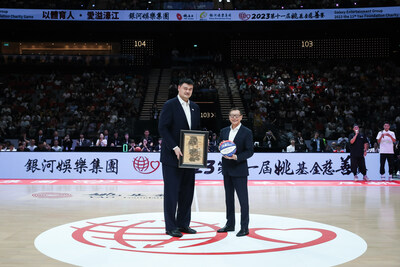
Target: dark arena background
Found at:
x=303, y=73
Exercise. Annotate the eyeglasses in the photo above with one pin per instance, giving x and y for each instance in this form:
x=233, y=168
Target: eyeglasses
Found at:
x=234, y=116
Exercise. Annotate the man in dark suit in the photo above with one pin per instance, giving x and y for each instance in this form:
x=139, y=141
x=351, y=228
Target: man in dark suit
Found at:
x=40, y=137
x=82, y=141
x=235, y=172
x=177, y=114
x=115, y=140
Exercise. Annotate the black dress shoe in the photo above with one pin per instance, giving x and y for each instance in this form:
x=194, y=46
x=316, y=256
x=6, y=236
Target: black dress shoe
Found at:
x=243, y=232
x=187, y=230
x=174, y=233
x=226, y=229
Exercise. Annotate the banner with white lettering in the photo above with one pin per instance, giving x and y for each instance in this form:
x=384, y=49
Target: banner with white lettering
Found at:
x=201, y=15
x=147, y=166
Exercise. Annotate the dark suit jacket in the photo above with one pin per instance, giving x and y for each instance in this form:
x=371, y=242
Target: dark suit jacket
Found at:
x=112, y=140
x=85, y=143
x=172, y=121
x=244, y=150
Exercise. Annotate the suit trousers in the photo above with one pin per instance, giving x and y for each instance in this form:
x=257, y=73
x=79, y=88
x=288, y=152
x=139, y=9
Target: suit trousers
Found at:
x=358, y=163
x=390, y=159
x=238, y=184
x=178, y=196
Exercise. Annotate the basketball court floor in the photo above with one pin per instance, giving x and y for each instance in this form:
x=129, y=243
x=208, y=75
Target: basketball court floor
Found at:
x=34, y=213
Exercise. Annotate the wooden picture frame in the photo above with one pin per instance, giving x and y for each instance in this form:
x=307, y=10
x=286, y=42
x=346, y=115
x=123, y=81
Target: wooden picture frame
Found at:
x=194, y=147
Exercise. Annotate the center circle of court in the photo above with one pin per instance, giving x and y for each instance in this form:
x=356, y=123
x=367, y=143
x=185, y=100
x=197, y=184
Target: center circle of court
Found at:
x=141, y=238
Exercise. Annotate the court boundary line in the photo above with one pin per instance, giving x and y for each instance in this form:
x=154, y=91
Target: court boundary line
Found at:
x=198, y=182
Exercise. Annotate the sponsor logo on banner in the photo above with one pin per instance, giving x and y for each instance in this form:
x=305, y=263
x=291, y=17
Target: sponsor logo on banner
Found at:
x=149, y=16
x=203, y=15
x=186, y=16
x=124, y=239
x=144, y=166
x=220, y=16
x=244, y=16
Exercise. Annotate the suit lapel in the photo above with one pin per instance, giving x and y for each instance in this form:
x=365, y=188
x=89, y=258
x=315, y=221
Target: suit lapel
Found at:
x=226, y=134
x=238, y=134
x=183, y=112
x=192, y=118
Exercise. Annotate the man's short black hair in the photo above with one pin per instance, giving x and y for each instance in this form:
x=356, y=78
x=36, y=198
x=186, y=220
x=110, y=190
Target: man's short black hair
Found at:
x=185, y=80
x=235, y=109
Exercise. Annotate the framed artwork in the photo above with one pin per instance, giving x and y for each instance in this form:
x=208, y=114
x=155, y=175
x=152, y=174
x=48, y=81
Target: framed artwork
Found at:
x=194, y=146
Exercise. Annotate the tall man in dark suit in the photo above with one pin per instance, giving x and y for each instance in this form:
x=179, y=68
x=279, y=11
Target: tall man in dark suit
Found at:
x=235, y=172
x=177, y=114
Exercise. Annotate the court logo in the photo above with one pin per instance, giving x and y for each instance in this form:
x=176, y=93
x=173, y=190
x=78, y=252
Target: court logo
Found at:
x=133, y=238
x=144, y=166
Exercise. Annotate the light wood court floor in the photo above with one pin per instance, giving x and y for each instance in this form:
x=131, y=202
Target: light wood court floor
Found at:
x=373, y=213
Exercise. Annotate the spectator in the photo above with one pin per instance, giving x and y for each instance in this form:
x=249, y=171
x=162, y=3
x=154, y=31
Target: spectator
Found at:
x=56, y=147
x=40, y=137
x=146, y=146
x=155, y=112
x=42, y=147
x=300, y=143
x=374, y=149
x=333, y=147
x=213, y=144
x=317, y=144
x=292, y=146
x=115, y=141
x=11, y=148
x=82, y=141
x=126, y=139
x=22, y=147
x=101, y=141
x=343, y=141
x=157, y=148
x=132, y=146
x=106, y=137
x=67, y=143
x=56, y=137
x=269, y=141
x=32, y=145
x=146, y=135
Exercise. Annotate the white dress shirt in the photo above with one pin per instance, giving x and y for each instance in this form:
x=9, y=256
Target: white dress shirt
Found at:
x=233, y=132
x=186, y=109
x=291, y=148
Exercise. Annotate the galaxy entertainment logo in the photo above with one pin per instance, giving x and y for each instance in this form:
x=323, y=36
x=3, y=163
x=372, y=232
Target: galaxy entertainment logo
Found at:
x=132, y=238
x=144, y=166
